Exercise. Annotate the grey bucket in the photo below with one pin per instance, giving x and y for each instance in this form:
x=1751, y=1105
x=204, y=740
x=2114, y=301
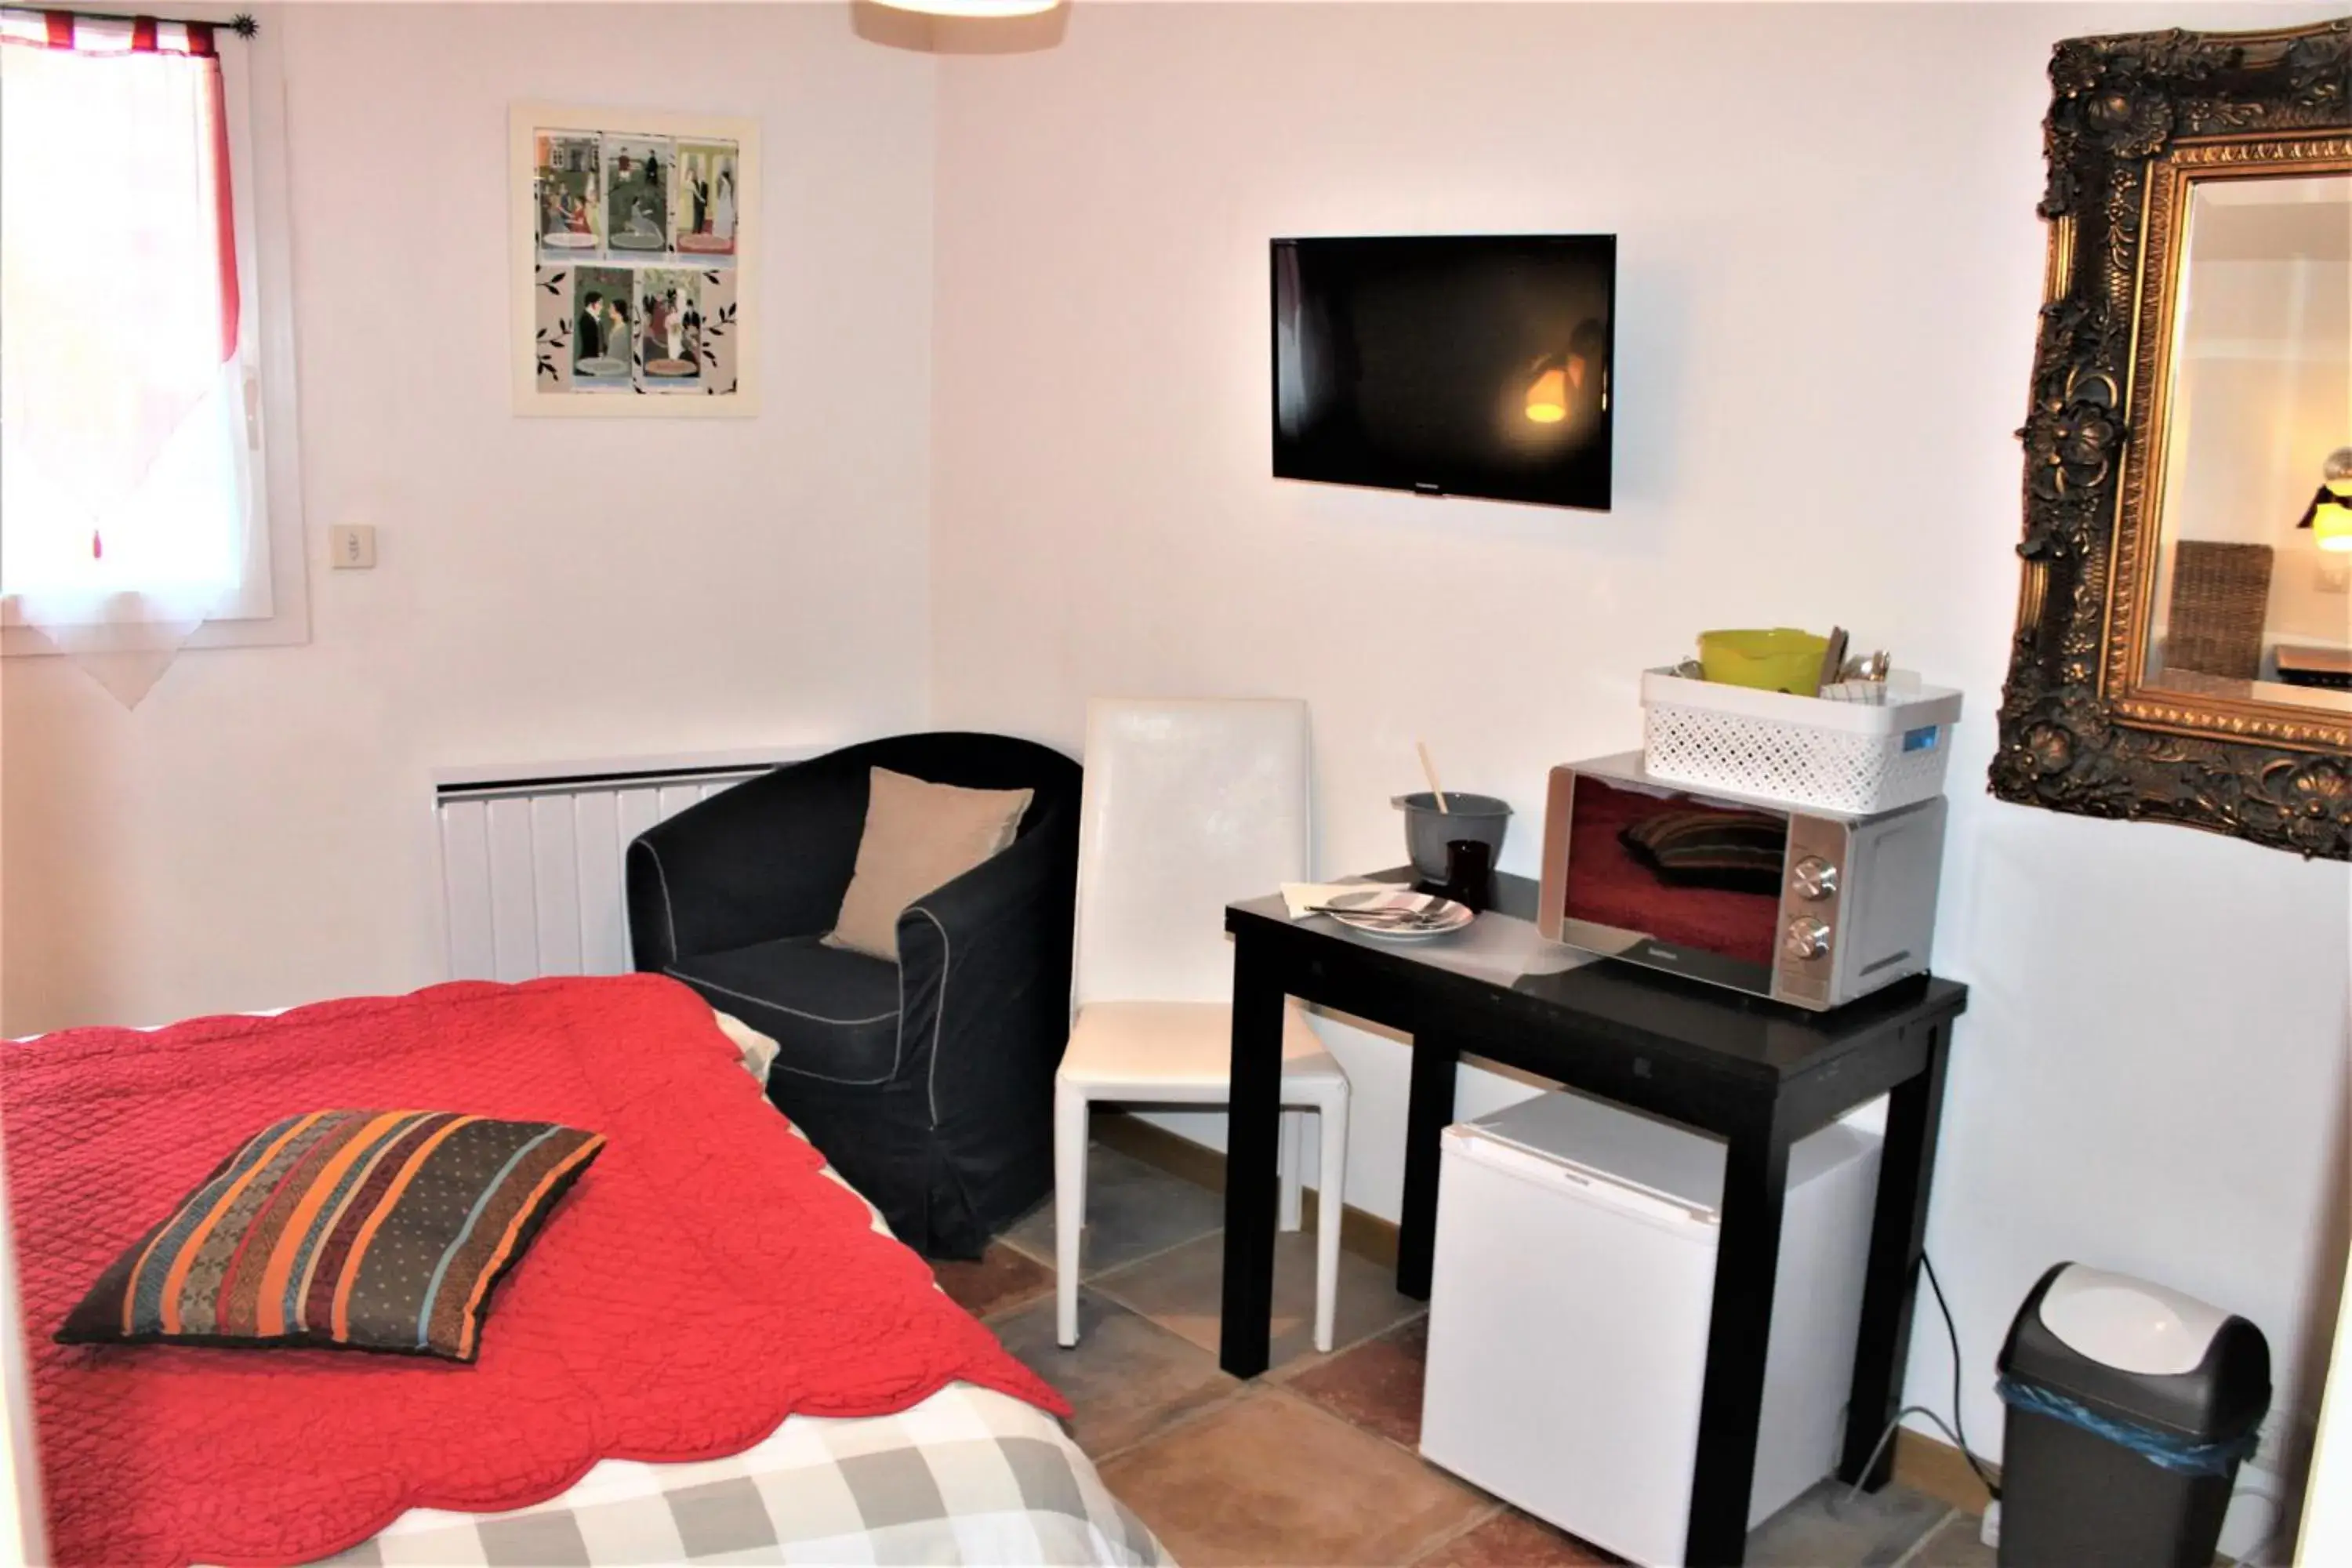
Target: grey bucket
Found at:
x=1428, y=830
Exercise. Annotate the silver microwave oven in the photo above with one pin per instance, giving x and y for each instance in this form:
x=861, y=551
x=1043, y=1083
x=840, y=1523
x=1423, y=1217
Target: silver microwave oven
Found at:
x=1810, y=908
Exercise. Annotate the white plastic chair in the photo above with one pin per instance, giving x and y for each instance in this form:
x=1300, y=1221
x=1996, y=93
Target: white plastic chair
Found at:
x=1187, y=806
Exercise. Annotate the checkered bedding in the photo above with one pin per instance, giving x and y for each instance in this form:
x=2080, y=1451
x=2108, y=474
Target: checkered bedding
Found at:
x=966, y=1475
x=969, y=1476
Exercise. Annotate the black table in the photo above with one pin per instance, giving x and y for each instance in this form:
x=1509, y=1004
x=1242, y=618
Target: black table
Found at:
x=1756, y=1074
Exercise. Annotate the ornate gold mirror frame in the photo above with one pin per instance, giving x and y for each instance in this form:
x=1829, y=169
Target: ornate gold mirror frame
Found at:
x=2133, y=121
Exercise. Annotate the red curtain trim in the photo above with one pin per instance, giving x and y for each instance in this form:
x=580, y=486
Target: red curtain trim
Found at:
x=61, y=30
x=224, y=198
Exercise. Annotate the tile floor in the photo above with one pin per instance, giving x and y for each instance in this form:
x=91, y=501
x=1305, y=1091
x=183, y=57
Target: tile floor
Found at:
x=1314, y=1463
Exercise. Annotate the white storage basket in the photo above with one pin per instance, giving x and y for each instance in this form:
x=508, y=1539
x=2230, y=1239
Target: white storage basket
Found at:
x=1852, y=757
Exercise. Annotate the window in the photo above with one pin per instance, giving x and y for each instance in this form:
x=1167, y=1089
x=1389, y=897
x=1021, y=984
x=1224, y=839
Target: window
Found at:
x=148, y=499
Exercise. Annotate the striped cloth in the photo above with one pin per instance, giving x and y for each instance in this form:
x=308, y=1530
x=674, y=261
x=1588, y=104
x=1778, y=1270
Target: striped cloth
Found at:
x=374, y=1229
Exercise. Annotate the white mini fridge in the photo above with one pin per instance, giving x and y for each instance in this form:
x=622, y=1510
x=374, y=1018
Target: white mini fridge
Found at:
x=1568, y=1308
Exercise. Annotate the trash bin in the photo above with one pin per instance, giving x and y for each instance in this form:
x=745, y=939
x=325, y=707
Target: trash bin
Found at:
x=2130, y=1407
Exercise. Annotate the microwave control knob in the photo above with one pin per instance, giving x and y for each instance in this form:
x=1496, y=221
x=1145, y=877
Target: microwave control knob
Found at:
x=1813, y=877
x=1807, y=938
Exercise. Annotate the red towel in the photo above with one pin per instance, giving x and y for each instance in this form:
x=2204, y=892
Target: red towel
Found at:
x=700, y=1283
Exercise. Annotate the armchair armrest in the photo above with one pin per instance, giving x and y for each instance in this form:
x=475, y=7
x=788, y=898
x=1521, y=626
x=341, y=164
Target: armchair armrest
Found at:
x=985, y=967
x=769, y=859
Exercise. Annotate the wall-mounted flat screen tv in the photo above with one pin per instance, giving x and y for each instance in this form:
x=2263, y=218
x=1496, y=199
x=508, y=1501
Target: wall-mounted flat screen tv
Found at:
x=1450, y=365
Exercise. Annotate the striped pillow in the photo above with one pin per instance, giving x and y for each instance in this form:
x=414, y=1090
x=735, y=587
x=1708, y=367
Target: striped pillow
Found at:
x=382, y=1230
x=1739, y=851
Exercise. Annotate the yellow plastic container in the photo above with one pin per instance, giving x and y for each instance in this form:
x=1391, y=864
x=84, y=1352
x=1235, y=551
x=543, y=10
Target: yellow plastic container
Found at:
x=1781, y=660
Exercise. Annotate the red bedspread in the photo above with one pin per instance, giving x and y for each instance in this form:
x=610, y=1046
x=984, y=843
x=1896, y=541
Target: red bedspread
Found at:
x=701, y=1282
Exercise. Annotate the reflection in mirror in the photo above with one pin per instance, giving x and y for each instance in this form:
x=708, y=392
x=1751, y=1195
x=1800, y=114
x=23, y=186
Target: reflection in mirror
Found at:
x=2249, y=595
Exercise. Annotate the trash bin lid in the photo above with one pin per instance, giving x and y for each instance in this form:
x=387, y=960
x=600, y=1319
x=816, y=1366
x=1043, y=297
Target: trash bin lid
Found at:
x=2136, y=1353
x=2132, y=1325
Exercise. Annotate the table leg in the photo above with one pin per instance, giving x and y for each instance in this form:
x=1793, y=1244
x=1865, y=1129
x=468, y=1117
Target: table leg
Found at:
x=1253, y=1131
x=1427, y=1115
x=1898, y=1237
x=1731, y=1405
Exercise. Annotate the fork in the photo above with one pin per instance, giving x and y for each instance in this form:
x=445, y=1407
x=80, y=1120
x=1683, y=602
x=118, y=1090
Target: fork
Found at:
x=1386, y=916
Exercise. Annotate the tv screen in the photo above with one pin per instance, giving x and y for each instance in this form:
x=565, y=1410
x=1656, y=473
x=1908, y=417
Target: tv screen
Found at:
x=1450, y=365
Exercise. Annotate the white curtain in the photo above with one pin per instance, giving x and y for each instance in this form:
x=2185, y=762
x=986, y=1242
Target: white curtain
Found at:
x=125, y=495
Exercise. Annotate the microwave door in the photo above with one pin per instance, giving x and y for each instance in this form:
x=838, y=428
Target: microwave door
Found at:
x=1673, y=881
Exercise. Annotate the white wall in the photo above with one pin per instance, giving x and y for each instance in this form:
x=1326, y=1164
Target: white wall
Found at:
x=1829, y=271
x=256, y=832
x=2327, y=1518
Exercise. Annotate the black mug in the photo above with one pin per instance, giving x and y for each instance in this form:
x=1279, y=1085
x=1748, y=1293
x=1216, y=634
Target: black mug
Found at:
x=1469, y=872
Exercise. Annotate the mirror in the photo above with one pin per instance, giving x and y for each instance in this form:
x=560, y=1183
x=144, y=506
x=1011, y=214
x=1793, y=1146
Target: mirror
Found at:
x=2253, y=573
x=2184, y=637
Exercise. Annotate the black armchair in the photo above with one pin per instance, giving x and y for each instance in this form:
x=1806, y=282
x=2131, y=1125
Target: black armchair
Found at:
x=927, y=1083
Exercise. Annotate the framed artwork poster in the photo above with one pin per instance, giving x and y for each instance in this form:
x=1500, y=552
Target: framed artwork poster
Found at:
x=632, y=252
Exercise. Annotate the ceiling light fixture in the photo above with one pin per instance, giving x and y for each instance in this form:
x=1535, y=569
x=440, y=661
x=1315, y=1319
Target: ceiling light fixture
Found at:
x=982, y=8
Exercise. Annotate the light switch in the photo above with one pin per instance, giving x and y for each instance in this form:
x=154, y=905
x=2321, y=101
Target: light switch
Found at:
x=2332, y=573
x=351, y=546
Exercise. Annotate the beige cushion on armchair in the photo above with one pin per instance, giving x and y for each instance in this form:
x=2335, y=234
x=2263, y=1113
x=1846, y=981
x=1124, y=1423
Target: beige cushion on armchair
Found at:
x=918, y=837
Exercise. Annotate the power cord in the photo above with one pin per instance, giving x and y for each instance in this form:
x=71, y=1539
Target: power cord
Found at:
x=1887, y=1437
x=2251, y=1556
x=1955, y=1428
x=1959, y=1429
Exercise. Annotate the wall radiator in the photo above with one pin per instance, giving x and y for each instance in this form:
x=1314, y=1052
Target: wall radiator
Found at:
x=530, y=858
